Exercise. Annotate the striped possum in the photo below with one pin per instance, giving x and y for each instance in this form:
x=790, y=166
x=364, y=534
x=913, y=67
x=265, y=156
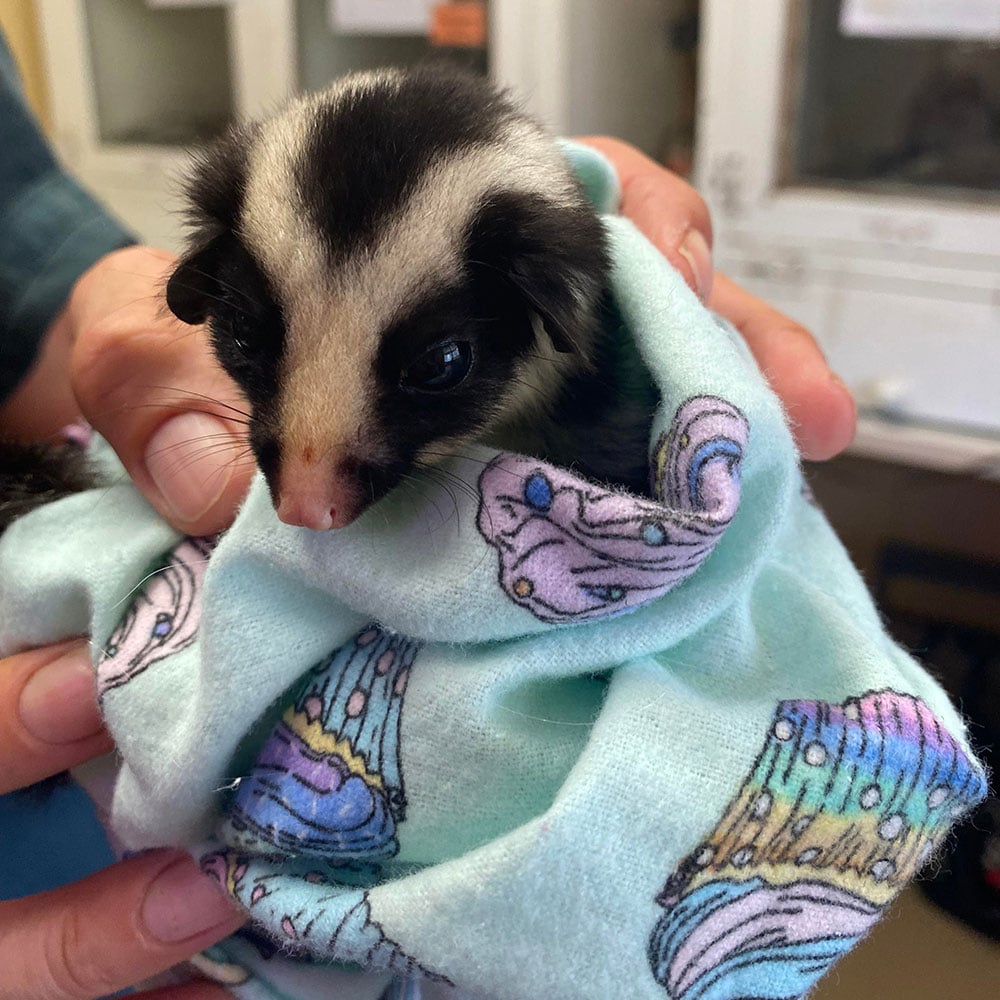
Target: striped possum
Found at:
x=389, y=270
x=397, y=266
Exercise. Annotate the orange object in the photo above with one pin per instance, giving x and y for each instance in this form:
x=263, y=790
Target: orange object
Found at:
x=461, y=24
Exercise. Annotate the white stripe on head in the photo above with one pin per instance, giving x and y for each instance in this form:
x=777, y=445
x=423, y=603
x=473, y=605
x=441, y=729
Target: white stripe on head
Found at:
x=314, y=410
x=334, y=318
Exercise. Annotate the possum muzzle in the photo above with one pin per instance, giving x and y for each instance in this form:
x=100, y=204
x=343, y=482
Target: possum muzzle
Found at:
x=319, y=491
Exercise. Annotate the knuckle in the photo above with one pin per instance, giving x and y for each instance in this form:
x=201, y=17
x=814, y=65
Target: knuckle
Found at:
x=688, y=194
x=68, y=969
x=105, y=352
x=785, y=326
x=790, y=331
x=665, y=185
x=701, y=218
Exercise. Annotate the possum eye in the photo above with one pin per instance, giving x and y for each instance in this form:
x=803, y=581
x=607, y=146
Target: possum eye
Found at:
x=441, y=368
x=242, y=334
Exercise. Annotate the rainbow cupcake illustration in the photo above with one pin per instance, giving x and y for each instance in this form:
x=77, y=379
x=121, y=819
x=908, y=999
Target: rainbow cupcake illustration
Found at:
x=842, y=807
x=327, y=781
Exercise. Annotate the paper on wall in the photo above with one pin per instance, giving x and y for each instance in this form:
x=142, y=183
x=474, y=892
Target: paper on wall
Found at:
x=380, y=17
x=969, y=19
x=188, y=3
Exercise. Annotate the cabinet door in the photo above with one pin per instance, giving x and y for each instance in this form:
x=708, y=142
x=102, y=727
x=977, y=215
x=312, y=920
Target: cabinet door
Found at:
x=136, y=83
x=854, y=178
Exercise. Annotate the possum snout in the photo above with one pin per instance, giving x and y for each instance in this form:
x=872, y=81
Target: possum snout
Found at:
x=311, y=495
x=320, y=490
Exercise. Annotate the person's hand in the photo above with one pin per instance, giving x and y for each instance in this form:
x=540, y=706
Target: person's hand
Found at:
x=119, y=926
x=673, y=216
x=152, y=387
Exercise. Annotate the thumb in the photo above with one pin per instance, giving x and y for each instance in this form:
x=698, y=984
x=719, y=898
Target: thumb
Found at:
x=152, y=387
x=115, y=928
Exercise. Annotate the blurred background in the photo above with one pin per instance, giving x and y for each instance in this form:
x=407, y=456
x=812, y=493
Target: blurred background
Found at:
x=850, y=153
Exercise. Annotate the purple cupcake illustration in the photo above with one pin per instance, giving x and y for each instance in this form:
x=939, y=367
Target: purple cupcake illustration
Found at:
x=574, y=551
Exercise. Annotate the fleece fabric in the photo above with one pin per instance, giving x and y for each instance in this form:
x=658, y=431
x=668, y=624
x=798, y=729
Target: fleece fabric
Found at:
x=529, y=737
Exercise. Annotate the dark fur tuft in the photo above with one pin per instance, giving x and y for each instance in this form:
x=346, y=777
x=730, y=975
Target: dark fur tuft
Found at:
x=32, y=475
x=215, y=192
x=553, y=257
x=216, y=185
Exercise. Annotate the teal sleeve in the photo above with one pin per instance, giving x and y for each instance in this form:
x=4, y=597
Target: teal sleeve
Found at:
x=51, y=231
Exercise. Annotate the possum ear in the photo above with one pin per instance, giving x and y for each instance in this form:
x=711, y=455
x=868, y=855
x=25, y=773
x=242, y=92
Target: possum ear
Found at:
x=553, y=256
x=193, y=286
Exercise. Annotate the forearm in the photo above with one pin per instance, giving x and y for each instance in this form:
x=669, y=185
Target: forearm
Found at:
x=51, y=231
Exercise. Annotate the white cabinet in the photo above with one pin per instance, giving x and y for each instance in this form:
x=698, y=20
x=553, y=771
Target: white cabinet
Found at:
x=136, y=82
x=855, y=183
x=134, y=85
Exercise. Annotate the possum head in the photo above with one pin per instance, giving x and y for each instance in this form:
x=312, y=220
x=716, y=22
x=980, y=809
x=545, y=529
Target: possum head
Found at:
x=388, y=269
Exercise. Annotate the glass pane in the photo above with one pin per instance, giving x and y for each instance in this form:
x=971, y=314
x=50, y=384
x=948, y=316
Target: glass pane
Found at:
x=160, y=76
x=325, y=55
x=899, y=114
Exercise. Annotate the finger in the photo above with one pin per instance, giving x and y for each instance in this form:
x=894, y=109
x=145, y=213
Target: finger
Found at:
x=152, y=387
x=49, y=703
x=111, y=930
x=820, y=407
x=665, y=209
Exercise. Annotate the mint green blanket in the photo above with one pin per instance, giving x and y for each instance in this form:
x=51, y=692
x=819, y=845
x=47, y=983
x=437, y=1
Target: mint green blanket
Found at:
x=535, y=739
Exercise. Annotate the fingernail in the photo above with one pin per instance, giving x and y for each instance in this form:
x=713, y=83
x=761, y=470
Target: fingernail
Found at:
x=182, y=901
x=191, y=460
x=59, y=703
x=695, y=250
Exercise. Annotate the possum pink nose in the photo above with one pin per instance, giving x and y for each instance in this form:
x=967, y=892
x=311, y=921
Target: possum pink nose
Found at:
x=306, y=512
x=311, y=493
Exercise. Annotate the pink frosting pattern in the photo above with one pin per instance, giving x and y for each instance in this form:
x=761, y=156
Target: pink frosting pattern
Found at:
x=162, y=619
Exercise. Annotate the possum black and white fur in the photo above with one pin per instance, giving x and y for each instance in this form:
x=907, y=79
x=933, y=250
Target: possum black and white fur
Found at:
x=392, y=268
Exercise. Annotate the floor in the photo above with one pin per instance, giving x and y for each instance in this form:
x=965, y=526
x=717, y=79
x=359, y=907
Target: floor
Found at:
x=917, y=952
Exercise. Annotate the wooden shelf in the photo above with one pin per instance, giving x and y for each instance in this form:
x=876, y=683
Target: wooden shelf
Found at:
x=942, y=449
